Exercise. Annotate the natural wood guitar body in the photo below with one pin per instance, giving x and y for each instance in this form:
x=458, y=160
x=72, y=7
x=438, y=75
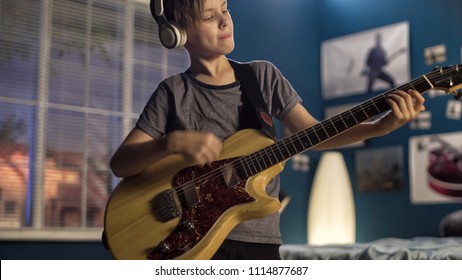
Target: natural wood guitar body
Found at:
x=133, y=230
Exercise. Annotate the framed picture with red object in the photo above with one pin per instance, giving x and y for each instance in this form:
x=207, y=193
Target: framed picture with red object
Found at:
x=436, y=168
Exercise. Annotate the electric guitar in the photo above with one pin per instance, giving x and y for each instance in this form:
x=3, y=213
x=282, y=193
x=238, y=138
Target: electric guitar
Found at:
x=173, y=210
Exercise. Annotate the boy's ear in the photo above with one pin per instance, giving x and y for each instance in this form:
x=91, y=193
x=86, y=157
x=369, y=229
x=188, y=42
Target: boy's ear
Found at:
x=170, y=35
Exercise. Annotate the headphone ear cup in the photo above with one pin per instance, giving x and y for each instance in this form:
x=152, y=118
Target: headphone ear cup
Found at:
x=182, y=37
x=172, y=37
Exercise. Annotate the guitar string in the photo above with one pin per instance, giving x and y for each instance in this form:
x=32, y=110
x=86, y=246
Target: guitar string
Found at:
x=239, y=162
x=216, y=173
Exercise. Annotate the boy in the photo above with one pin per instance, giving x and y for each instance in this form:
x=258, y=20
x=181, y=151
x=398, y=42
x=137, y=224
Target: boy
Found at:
x=191, y=113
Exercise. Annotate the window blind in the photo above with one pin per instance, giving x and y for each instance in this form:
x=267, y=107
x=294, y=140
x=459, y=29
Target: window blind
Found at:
x=74, y=76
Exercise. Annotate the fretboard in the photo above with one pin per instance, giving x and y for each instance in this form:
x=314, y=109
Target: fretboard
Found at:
x=304, y=140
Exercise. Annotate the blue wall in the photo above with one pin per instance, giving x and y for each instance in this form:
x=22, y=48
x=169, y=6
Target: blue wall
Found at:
x=432, y=22
x=289, y=34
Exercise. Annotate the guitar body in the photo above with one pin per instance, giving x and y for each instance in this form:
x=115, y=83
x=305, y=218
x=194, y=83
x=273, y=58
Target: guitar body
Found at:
x=207, y=213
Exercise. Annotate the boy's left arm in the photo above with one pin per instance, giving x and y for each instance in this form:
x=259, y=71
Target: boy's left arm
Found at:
x=405, y=107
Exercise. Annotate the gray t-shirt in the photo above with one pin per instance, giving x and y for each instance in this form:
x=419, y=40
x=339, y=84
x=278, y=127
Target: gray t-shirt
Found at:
x=183, y=103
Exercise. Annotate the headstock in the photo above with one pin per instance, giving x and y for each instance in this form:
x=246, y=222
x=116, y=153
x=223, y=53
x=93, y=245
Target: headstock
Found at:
x=448, y=79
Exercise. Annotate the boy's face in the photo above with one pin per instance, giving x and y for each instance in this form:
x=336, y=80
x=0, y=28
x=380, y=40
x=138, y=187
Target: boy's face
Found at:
x=213, y=34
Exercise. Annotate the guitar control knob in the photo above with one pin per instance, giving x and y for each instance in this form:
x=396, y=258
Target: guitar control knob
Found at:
x=187, y=225
x=164, y=247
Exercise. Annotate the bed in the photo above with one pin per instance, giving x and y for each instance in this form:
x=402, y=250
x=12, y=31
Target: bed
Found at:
x=418, y=248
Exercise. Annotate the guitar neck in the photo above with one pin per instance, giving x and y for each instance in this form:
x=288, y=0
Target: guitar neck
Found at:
x=304, y=140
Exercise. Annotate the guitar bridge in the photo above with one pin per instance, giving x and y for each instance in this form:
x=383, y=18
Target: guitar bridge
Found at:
x=165, y=206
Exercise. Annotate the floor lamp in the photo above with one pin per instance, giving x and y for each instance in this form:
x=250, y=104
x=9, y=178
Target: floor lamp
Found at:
x=331, y=211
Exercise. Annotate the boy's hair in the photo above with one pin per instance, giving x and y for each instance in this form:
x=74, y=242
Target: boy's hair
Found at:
x=185, y=13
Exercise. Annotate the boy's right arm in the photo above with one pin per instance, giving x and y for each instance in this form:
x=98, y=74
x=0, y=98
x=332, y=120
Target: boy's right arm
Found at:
x=136, y=152
x=139, y=150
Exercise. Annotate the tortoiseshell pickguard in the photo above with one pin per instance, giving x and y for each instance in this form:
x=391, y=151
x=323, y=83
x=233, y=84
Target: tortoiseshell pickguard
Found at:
x=215, y=197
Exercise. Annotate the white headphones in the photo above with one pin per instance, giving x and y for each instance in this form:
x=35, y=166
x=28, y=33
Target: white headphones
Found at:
x=170, y=36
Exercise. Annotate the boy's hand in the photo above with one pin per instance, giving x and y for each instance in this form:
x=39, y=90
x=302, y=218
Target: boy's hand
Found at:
x=405, y=107
x=196, y=147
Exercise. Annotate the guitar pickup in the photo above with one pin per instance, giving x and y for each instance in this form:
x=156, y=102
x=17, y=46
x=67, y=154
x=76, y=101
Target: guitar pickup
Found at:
x=190, y=193
x=230, y=177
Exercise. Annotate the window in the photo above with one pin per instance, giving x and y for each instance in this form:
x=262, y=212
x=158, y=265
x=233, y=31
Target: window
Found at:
x=74, y=76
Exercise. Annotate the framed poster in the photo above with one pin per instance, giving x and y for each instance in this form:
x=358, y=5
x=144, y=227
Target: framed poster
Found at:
x=436, y=168
x=373, y=60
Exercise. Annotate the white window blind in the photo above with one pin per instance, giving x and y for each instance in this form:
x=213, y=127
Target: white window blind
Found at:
x=74, y=76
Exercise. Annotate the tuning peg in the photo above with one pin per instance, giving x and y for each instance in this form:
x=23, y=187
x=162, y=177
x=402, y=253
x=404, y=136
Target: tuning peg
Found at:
x=438, y=68
x=457, y=94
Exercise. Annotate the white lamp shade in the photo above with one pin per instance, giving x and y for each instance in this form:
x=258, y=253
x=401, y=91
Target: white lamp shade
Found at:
x=331, y=212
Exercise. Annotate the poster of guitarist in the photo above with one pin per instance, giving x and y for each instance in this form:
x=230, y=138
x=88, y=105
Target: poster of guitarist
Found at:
x=371, y=60
x=376, y=61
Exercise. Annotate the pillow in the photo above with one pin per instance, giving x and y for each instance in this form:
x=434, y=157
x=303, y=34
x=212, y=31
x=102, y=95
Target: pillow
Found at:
x=451, y=224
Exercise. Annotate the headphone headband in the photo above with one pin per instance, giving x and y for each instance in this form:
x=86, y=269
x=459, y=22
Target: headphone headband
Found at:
x=170, y=35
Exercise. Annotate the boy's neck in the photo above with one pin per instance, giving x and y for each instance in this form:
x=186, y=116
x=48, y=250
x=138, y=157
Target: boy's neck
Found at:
x=213, y=72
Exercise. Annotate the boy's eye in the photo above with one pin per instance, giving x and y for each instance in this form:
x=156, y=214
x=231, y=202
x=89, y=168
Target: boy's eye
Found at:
x=211, y=17
x=208, y=18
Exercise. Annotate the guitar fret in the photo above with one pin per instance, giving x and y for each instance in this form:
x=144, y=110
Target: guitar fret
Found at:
x=288, y=154
x=267, y=161
x=321, y=132
x=356, y=121
x=333, y=125
x=301, y=142
x=329, y=127
x=312, y=138
x=305, y=140
x=243, y=167
x=277, y=153
x=281, y=155
x=252, y=164
x=422, y=86
x=348, y=119
x=243, y=162
x=264, y=159
x=382, y=104
x=373, y=103
x=428, y=81
x=360, y=115
x=412, y=86
x=247, y=174
x=270, y=155
x=368, y=108
x=291, y=147
x=313, y=132
x=259, y=160
x=339, y=123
